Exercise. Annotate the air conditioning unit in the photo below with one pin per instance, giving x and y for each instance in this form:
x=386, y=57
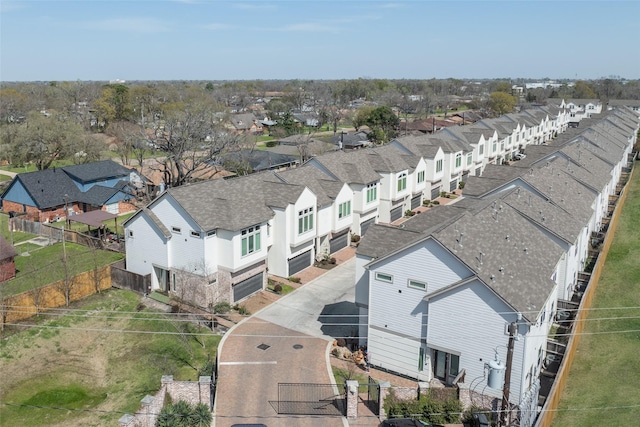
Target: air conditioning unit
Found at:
x=563, y=315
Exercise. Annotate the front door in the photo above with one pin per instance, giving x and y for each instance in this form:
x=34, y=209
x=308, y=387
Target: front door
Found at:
x=446, y=366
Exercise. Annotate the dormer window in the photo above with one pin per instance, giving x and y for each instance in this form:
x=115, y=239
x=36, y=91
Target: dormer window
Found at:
x=305, y=220
x=458, y=160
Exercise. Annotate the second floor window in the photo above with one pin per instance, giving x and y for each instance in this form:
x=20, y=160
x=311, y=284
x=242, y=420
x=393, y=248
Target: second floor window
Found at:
x=458, y=160
x=250, y=240
x=481, y=149
x=305, y=220
x=439, y=165
x=420, y=177
x=372, y=192
x=344, y=209
x=402, y=181
x=469, y=159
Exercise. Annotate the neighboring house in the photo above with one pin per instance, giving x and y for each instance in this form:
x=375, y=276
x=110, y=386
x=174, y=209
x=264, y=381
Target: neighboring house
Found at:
x=7, y=265
x=351, y=140
x=250, y=161
x=52, y=194
x=246, y=123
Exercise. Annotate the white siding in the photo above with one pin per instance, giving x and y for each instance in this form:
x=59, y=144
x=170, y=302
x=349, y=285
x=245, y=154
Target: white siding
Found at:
x=146, y=235
x=396, y=353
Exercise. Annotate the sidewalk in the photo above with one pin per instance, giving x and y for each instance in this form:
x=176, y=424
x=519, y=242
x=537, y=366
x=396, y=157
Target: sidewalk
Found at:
x=264, y=298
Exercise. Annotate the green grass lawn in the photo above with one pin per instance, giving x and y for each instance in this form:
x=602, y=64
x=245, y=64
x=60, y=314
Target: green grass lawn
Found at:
x=605, y=374
x=96, y=362
x=44, y=265
x=16, y=236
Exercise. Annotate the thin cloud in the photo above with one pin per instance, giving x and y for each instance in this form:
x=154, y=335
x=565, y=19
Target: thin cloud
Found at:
x=254, y=6
x=8, y=6
x=216, y=26
x=391, y=6
x=133, y=25
x=310, y=27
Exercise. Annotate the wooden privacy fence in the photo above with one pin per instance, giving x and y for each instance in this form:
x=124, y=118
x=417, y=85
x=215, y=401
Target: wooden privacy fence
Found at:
x=123, y=279
x=22, y=306
x=551, y=404
x=55, y=233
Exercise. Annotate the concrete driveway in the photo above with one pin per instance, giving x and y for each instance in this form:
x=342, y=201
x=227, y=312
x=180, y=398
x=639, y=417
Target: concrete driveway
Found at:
x=286, y=342
x=324, y=308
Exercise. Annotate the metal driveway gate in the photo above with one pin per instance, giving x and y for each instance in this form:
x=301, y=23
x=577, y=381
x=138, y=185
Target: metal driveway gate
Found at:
x=247, y=287
x=311, y=399
x=299, y=262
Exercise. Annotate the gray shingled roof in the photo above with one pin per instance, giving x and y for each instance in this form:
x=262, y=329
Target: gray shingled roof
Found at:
x=96, y=171
x=382, y=240
x=348, y=166
x=48, y=187
x=314, y=179
x=234, y=204
x=517, y=259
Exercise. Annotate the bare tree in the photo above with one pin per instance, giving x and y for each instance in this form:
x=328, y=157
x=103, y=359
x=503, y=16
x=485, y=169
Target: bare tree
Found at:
x=190, y=138
x=66, y=286
x=37, y=296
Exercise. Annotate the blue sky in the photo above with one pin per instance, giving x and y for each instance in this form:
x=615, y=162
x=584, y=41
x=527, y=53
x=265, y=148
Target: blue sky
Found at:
x=236, y=40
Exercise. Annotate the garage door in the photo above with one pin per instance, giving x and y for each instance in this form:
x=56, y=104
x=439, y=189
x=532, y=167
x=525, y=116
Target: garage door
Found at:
x=416, y=201
x=453, y=185
x=299, y=263
x=396, y=213
x=339, y=242
x=365, y=225
x=247, y=287
x=435, y=193
x=478, y=171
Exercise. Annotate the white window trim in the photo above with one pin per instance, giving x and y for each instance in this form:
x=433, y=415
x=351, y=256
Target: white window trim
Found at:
x=381, y=279
x=411, y=283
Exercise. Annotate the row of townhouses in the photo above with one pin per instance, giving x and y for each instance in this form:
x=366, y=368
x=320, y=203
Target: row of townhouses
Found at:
x=216, y=240
x=443, y=293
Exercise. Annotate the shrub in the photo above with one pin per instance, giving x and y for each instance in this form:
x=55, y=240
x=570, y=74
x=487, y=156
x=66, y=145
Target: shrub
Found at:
x=341, y=342
x=332, y=260
x=277, y=288
x=294, y=279
x=241, y=309
x=271, y=143
x=355, y=238
x=222, y=307
x=443, y=194
x=426, y=202
x=409, y=212
x=435, y=202
x=461, y=185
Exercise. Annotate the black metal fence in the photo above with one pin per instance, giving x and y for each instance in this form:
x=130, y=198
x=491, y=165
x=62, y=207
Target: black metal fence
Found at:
x=373, y=396
x=311, y=399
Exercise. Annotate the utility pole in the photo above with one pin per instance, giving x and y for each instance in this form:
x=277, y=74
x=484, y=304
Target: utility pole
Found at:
x=505, y=411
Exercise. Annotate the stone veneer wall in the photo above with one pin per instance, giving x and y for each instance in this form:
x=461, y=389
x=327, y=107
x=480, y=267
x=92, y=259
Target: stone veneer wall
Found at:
x=150, y=406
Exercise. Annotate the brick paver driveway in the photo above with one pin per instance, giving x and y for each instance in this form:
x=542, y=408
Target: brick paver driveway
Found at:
x=257, y=356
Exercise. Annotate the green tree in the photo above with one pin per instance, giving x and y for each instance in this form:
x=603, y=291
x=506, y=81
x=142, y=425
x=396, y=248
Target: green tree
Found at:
x=113, y=103
x=383, y=123
x=583, y=90
x=502, y=103
x=43, y=139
